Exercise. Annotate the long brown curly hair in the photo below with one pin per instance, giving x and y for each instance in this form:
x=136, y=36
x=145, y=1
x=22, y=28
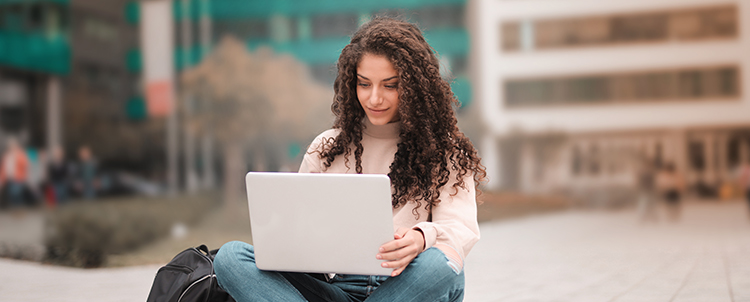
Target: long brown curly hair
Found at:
x=430, y=140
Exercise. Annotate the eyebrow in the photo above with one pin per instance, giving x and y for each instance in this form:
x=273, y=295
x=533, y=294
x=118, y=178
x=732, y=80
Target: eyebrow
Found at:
x=388, y=79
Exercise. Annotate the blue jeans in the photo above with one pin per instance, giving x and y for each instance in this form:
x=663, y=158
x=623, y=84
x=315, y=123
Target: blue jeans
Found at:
x=429, y=277
x=61, y=192
x=14, y=191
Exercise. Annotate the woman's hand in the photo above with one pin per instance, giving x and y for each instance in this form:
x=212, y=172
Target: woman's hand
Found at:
x=406, y=246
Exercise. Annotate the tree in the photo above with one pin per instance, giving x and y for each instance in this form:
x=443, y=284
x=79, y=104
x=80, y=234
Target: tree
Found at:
x=246, y=99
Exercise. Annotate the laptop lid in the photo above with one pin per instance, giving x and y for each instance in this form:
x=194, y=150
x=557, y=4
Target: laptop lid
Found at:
x=319, y=223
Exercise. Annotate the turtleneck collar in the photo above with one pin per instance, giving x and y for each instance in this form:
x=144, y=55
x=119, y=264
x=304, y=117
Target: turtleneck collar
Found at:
x=387, y=131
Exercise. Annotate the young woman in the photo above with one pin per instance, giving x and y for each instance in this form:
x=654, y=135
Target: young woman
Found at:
x=394, y=115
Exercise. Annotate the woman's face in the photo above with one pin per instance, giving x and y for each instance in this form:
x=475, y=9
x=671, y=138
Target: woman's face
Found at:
x=377, y=89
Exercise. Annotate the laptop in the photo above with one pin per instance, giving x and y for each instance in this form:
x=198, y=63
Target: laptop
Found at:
x=319, y=222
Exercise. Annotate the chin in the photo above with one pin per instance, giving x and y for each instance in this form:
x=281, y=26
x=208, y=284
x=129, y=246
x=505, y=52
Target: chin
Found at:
x=379, y=121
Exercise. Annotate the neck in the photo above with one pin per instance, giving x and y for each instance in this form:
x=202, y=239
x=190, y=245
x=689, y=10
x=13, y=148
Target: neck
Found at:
x=387, y=131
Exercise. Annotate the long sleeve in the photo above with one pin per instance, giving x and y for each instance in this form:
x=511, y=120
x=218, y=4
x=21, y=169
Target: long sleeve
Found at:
x=454, y=219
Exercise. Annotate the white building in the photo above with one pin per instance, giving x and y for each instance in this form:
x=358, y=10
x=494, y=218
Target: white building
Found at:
x=575, y=93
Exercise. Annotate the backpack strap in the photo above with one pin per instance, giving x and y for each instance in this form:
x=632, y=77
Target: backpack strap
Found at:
x=203, y=248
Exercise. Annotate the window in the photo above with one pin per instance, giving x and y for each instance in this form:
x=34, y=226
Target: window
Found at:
x=688, y=84
x=243, y=29
x=334, y=25
x=576, y=166
x=435, y=17
x=682, y=25
x=12, y=118
x=99, y=30
x=696, y=156
x=733, y=152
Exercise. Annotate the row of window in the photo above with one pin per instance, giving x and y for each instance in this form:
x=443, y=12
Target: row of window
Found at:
x=659, y=26
x=663, y=85
x=333, y=25
x=594, y=161
x=33, y=17
x=451, y=67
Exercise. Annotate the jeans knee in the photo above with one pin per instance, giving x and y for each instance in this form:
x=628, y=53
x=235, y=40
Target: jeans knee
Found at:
x=434, y=262
x=230, y=256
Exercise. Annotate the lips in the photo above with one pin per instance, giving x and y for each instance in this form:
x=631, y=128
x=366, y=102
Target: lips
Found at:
x=377, y=110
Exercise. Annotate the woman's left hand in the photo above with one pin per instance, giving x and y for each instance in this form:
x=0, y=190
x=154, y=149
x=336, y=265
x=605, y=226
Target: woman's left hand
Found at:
x=398, y=253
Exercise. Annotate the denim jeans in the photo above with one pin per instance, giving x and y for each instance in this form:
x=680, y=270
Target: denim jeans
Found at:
x=61, y=192
x=429, y=277
x=14, y=191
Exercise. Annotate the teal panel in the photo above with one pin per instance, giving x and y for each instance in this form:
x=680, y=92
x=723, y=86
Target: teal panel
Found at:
x=35, y=51
x=259, y=8
x=293, y=150
x=132, y=12
x=135, y=109
x=133, y=60
x=461, y=87
x=32, y=1
x=453, y=42
x=320, y=51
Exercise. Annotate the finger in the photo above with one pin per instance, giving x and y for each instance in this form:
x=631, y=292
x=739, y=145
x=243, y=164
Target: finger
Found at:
x=395, y=245
x=397, y=254
x=398, y=271
x=397, y=263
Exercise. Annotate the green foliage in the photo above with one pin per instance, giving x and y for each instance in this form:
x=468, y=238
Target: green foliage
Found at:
x=83, y=234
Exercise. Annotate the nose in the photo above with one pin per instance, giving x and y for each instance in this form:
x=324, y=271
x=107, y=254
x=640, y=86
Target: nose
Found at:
x=376, y=98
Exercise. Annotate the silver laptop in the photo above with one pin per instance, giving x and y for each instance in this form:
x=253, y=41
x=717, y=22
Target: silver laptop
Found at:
x=319, y=223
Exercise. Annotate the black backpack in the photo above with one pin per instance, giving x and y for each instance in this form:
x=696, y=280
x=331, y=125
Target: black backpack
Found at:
x=188, y=277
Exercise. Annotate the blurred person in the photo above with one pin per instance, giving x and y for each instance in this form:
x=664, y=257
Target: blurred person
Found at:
x=671, y=185
x=58, y=175
x=646, y=186
x=37, y=174
x=14, y=170
x=86, y=173
x=393, y=115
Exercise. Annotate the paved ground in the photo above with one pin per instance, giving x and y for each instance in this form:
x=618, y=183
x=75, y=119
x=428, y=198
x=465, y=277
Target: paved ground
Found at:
x=595, y=256
x=568, y=256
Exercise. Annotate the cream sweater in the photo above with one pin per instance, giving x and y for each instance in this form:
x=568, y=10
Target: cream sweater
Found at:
x=454, y=219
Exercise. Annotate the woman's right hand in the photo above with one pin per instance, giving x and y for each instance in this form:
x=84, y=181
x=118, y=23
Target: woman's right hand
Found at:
x=398, y=253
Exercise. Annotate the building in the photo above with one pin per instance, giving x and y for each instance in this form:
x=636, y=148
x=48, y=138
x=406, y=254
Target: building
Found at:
x=70, y=70
x=65, y=78
x=316, y=31
x=577, y=94
x=34, y=53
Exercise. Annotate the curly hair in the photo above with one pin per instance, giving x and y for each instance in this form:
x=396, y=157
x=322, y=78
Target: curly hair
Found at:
x=430, y=140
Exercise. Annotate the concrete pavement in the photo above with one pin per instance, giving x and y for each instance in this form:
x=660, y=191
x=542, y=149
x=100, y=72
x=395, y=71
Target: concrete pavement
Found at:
x=28, y=281
x=569, y=256
x=610, y=256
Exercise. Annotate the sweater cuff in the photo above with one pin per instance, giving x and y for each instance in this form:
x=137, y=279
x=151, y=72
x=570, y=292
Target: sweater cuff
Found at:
x=430, y=233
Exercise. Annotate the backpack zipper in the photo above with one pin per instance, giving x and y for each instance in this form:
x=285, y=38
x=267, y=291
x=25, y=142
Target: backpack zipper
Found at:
x=194, y=283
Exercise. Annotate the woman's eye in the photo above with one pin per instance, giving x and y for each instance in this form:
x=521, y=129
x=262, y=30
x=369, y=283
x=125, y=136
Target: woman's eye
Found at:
x=391, y=86
x=363, y=85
